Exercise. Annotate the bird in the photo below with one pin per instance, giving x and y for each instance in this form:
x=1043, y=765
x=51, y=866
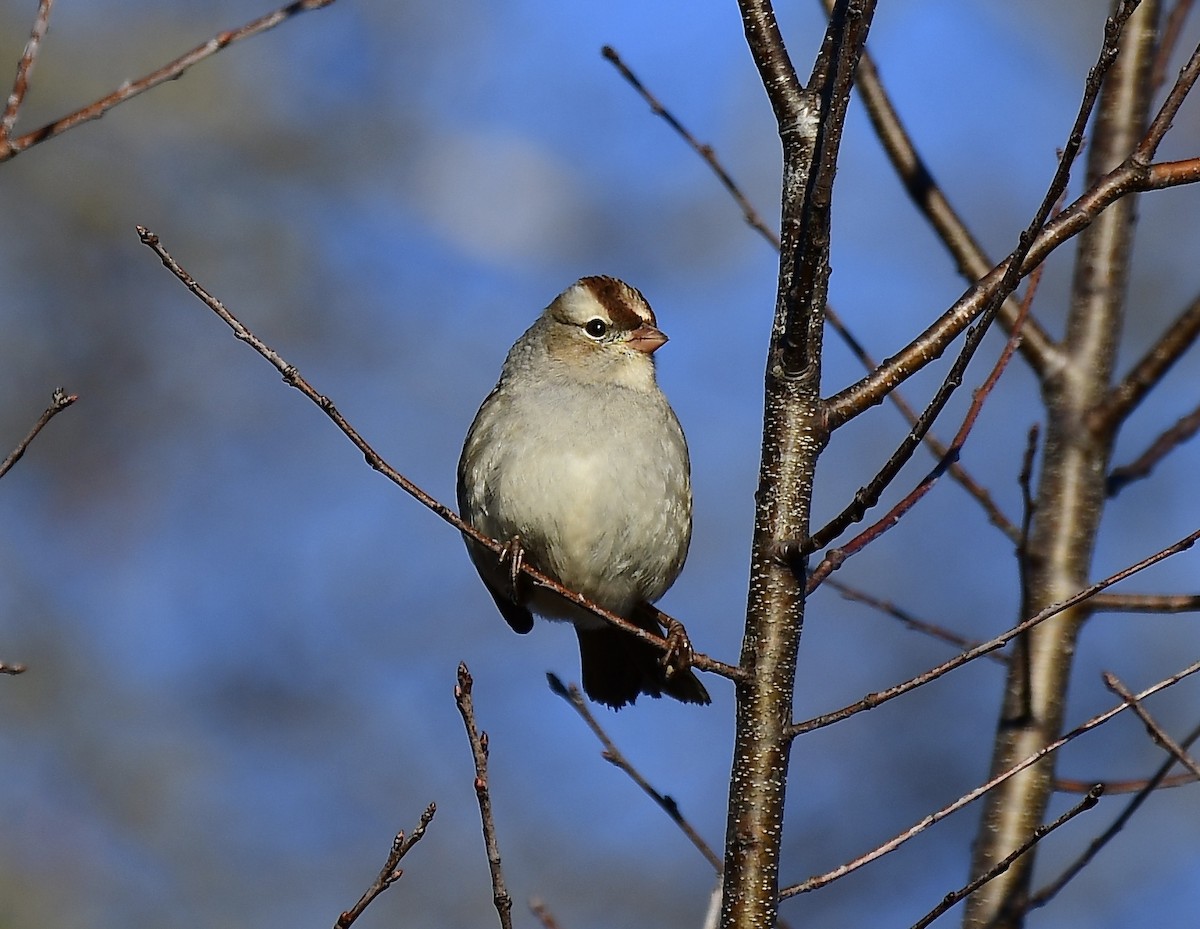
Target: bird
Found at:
x=578, y=464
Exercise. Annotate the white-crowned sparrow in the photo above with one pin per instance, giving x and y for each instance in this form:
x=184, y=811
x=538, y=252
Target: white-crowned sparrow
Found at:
x=578, y=458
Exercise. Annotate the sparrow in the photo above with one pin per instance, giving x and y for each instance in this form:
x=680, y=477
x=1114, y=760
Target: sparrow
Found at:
x=577, y=461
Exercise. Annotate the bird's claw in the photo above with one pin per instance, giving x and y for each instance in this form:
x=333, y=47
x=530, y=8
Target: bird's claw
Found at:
x=678, y=657
x=512, y=553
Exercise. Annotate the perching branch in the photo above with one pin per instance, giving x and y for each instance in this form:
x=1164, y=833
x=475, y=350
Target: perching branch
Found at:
x=292, y=377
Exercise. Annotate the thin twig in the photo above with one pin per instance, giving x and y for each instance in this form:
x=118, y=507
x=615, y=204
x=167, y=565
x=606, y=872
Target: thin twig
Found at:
x=41, y=22
x=1072, y=785
x=1157, y=733
x=1087, y=803
x=706, y=152
x=888, y=608
x=391, y=870
x=613, y=755
x=59, y=401
x=479, y=749
x=1147, y=461
x=1124, y=398
x=1047, y=893
x=292, y=377
x=870, y=494
x=1145, y=603
x=10, y=148
x=1171, y=31
x=1135, y=174
x=1037, y=348
x=538, y=908
x=12, y=669
x=751, y=215
x=891, y=845
x=870, y=701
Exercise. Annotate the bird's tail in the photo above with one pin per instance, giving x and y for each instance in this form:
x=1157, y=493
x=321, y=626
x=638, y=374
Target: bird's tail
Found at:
x=617, y=668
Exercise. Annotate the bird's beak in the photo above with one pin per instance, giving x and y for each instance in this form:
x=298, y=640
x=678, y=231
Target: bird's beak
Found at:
x=647, y=338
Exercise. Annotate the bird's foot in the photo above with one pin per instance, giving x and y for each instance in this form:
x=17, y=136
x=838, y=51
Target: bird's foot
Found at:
x=677, y=659
x=512, y=553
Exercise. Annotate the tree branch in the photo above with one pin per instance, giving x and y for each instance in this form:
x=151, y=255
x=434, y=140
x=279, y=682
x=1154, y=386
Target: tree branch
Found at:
x=873, y=700
x=1087, y=803
x=613, y=756
x=1149, y=371
x=916, y=829
x=41, y=22
x=10, y=148
x=1070, y=498
x=810, y=123
x=479, y=750
x=1037, y=348
x=391, y=870
x=293, y=378
x=1146, y=603
x=1147, y=461
x=1047, y=893
x=59, y=401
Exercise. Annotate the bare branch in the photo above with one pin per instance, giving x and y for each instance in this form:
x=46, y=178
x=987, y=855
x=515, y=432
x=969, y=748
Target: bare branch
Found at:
x=1157, y=733
x=873, y=700
x=479, y=749
x=1146, y=603
x=749, y=213
x=613, y=755
x=1170, y=33
x=1047, y=893
x=12, y=669
x=891, y=845
x=1148, y=460
x=292, y=377
x=1130, y=177
x=538, y=908
x=932, y=630
x=41, y=22
x=10, y=148
x=1072, y=785
x=973, y=263
x=976, y=490
x=1149, y=371
x=1087, y=803
x=868, y=496
x=59, y=401
x=391, y=870
x=1161, y=124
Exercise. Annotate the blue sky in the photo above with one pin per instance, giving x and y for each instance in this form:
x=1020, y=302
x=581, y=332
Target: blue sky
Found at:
x=242, y=641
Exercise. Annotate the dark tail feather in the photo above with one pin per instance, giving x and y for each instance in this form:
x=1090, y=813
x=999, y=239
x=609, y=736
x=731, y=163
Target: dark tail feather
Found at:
x=617, y=668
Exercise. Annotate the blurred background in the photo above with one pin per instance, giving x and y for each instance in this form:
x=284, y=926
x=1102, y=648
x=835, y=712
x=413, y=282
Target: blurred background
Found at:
x=242, y=642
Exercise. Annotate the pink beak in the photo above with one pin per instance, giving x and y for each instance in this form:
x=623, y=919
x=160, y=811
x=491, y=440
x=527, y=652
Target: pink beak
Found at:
x=647, y=338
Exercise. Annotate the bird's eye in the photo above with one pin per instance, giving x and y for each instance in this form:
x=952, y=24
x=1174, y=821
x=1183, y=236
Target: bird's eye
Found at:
x=595, y=328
